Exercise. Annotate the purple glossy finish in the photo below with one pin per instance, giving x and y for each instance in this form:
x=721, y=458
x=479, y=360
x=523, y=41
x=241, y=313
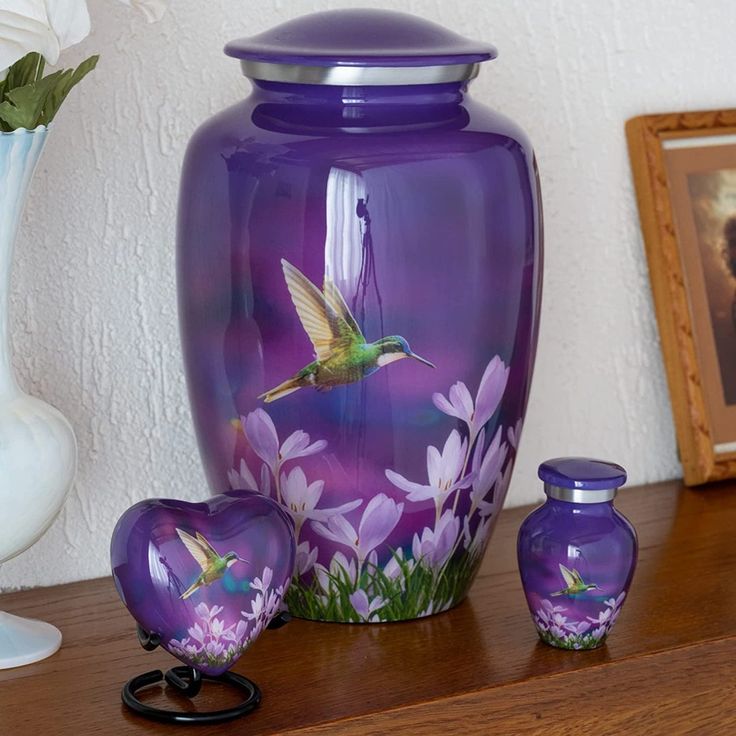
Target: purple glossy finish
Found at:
x=593, y=540
x=583, y=473
x=360, y=37
x=153, y=569
x=423, y=208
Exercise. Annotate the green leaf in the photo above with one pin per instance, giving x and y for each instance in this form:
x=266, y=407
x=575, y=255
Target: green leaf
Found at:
x=63, y=86
x=24, y=71
x=28, y=99
x=23, y=106
x=56, y=96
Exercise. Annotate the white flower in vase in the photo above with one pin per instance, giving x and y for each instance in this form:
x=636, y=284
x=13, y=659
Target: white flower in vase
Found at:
x=46, y=27
x=38, y=452
x=33, y=32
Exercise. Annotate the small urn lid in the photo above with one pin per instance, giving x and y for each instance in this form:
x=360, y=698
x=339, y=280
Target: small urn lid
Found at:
x=581, y=479
x=360, y=46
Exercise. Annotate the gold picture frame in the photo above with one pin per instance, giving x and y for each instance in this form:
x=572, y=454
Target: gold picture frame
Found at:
x=684, y=168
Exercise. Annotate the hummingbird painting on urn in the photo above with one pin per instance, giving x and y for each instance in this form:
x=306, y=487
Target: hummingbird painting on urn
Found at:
x=342, y=354
x=213, y=566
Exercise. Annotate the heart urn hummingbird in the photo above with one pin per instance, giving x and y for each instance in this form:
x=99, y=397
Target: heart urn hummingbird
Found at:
x=577, y=553
x=206, y=578
x=359, y=277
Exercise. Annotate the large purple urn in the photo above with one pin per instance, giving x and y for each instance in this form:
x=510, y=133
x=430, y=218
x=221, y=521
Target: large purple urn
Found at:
x=359, y=274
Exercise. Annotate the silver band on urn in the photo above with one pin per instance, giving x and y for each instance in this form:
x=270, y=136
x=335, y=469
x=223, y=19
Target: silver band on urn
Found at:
x=358, y=76
x=579, y=495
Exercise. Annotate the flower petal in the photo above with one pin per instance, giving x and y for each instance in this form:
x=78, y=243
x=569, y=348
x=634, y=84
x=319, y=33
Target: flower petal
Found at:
x=490, y=391
x=380, y=517
x=242, y=479
x=327, y=514
x=435, y=474
x=25, y=27
x=478, y=451
x=294, y=489
x=514, y=434
x=261, y=434
x=338, y=529
x=342, y=569
x=417, y=492
x=265, y=480
x=294, y=444
x=312, y=449
x=69, y=20
x=297, y=445
x=462, y=400
x=453, y=458
x=359, y=601
x=490, y=467
x=445, y=406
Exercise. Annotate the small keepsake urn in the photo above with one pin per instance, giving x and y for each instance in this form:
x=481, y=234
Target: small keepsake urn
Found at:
x=577, y=553
x=206, y=578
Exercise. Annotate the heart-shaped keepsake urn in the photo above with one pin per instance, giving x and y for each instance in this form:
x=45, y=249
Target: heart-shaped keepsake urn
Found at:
x=205, y=577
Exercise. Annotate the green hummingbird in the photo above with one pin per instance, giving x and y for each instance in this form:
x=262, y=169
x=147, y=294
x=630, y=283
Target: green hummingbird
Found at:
x=213, y=566
x=574, y=582
x=342, y=354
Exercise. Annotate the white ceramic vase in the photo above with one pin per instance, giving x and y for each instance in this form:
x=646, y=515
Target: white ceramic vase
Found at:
x=38, y=451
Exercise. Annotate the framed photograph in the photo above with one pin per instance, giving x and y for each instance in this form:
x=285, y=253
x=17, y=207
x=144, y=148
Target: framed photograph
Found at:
x=684, y=167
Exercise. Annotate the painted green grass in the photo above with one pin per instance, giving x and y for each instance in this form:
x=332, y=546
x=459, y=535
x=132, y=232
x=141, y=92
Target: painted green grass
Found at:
x=212, y=661
x=571, y=641
x=417, y=591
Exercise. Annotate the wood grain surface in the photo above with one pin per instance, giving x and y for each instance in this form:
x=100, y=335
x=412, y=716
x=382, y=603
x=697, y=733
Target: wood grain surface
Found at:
x=668, y=668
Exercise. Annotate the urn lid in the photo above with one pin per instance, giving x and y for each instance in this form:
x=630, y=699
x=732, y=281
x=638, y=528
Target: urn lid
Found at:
x=581, y=479
x=360, y=46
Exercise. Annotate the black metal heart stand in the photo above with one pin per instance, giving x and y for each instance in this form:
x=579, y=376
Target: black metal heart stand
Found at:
x=188, y=681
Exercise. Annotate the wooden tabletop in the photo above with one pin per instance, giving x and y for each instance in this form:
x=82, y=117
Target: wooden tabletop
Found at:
x=668, y=668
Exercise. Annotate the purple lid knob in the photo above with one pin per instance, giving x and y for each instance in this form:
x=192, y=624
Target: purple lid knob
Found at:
x=582, y=473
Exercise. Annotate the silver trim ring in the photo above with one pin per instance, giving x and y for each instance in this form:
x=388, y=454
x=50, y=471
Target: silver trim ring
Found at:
x=358, y=76
x=579, y=495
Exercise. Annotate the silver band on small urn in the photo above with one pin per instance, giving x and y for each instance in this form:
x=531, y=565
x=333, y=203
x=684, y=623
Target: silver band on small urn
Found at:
x=579, y=495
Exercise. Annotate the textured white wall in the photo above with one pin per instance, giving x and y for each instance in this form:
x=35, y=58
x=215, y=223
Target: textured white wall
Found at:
x=94, y=295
